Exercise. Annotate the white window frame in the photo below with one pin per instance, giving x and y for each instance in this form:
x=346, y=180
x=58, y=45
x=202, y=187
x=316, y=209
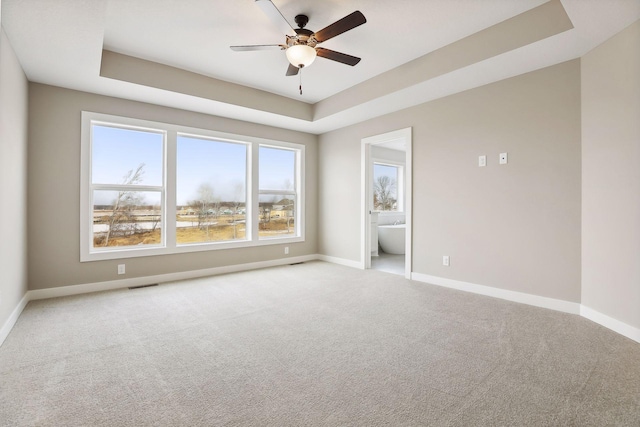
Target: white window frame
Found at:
x=205, y=134
x=297, y=186
x=168, y=220
x=399, y=183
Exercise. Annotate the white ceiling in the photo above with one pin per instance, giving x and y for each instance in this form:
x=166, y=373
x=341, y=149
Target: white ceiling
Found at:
x=60, y=43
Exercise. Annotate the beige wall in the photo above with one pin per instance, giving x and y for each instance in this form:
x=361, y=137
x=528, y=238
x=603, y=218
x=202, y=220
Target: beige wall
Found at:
x=513, y=227
x=611, y=177
x=13, y=180
x=54, y=190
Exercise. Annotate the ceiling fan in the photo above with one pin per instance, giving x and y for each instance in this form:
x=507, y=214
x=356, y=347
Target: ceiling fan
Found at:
x=301, y=44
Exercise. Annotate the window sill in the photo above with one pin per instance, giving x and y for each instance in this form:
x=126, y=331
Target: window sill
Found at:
x=103, y=255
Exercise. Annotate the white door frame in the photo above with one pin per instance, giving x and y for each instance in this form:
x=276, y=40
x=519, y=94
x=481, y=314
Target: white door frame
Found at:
x=366, y=193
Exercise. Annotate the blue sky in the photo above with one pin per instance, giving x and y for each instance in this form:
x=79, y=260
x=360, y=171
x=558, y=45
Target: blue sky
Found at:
x=222, y=165
x=385, y=170
x=116, y=151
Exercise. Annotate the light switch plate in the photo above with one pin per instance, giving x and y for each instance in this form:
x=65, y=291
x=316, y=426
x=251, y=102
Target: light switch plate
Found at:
x=503, y=158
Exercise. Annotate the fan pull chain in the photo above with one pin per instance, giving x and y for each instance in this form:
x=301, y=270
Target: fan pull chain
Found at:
x=300, y=75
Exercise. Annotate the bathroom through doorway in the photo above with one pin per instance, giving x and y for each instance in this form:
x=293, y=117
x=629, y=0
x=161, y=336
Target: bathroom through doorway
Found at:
x=386, y=202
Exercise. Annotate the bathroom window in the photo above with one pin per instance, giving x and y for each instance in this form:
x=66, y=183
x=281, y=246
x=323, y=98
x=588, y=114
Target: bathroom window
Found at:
x=388, y=187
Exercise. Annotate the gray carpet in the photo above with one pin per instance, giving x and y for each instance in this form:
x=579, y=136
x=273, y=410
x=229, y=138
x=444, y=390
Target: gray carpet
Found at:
x=313, y=344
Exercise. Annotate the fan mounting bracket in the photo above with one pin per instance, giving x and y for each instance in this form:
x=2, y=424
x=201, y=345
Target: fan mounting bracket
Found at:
x=301, y=20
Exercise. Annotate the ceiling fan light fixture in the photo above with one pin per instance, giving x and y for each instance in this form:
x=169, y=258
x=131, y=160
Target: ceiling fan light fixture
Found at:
x=301, y=55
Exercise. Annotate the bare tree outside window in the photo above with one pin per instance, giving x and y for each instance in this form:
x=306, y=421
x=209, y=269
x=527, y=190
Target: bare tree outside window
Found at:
x=288, y=184
x=384, y=190
x=264, y=214
x=206, y=206
x=122, y=221
x=238, y=200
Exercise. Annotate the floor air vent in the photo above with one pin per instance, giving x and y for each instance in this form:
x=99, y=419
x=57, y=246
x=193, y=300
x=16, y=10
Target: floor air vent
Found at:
x=142, y=286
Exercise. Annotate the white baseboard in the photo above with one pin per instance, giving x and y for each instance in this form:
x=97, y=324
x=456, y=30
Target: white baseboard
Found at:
x=13, y=318
x=535, y=300
x=610, y=323
x=520, y=297
x=341, y=261
x=63, y=291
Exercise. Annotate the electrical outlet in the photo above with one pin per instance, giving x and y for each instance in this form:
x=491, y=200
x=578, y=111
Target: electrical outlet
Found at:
x=482, y=161
x=121, y=269
x=286, y=250
x=445, y=260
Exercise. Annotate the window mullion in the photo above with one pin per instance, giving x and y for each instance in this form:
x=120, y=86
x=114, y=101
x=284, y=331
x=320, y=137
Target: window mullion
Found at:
x=300, y=192
x=170, y=177
x=254, y=192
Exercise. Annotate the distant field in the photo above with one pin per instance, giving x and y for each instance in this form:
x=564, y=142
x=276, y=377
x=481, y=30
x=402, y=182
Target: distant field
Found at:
x=214, y=233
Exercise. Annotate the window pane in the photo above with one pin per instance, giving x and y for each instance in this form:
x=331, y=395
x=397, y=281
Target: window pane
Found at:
x=276, y=216
x=211, y=190
x=385, y=187
x=126, y=218
x=277, y=169
x=126, y=156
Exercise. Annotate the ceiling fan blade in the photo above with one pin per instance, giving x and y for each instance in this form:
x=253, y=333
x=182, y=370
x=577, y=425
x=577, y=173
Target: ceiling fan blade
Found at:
x=258, y=47
x=276, y=17
x=347, y=23
x=337, y=56
x=292, y=70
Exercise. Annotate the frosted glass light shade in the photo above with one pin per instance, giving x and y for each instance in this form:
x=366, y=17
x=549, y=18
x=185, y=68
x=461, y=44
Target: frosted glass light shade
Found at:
x=301, y=55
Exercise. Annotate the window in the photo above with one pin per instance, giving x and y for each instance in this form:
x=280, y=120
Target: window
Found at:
x=150, y=188
x=277, y=200
x=387, y=187
x=210, y=190
x=127, y=189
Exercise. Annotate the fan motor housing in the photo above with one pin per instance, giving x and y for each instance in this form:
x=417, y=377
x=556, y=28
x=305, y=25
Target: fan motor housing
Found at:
x=303, y=36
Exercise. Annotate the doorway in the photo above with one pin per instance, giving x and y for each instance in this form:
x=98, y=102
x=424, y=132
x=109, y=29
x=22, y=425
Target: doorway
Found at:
x=386, y=192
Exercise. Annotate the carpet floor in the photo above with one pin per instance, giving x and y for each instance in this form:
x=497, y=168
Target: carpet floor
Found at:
x=314, y=344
